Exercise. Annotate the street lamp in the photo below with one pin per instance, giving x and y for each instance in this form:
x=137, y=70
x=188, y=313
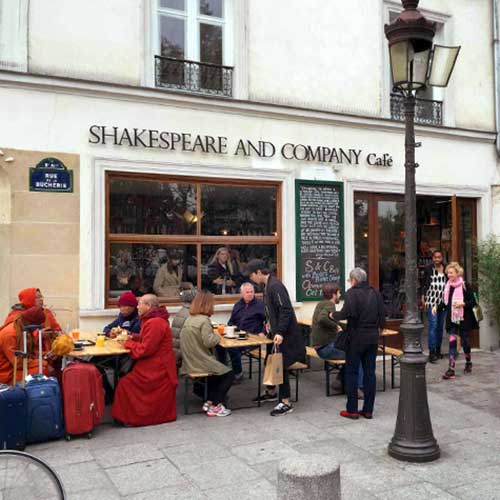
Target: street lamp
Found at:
x=415, y=64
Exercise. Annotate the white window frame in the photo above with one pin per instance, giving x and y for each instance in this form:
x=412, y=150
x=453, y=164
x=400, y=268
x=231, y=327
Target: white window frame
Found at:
x=444, y=36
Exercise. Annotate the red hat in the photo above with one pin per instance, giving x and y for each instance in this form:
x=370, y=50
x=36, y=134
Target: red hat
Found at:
x=33, y=316
x=127, y=299
x=27, y=297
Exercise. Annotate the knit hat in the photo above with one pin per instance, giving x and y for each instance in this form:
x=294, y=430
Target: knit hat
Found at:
x=33, y=316
x=187, y=296
x=27, y=297
x=127, y=299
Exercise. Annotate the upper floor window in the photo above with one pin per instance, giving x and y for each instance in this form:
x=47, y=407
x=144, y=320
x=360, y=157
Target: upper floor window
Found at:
x=193, y=49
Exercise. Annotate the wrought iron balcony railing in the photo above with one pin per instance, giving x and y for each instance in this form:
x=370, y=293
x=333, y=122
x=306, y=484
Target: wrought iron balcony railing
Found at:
x=194, y=76
x=427, y=111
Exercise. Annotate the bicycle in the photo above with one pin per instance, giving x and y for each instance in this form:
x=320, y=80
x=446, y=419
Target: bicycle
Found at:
x=26, y=477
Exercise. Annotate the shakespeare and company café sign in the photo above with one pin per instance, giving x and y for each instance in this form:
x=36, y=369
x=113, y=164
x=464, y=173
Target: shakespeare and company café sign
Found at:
x=220, y=145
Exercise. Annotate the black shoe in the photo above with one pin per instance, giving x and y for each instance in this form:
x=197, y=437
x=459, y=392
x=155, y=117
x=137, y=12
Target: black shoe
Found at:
x=265, y=398
x=281, y=409
x=468, y=368
x=433, y=357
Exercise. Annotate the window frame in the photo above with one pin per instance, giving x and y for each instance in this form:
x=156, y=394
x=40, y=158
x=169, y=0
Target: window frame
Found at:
x=197, y=239
x=193, y=18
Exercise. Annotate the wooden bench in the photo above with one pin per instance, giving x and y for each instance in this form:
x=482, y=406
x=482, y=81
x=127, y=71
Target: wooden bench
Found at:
x=330, y=365
x=395, y=355
x=194, y=377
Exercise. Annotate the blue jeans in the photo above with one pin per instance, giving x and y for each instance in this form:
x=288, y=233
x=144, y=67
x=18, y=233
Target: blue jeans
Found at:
x=367, y=356
x=436, y=323
x=329, y=351
x=234, y=355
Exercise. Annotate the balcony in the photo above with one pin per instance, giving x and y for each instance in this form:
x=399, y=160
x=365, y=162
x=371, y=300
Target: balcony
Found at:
x=193, y=76
x=427, y=111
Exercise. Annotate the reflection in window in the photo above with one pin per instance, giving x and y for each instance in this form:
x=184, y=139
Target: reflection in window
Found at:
x=164, y=270
x=238, y=210
x=361, y=234
x=223, y=267
x=173, y=4
x=212, y=8
x=151, y=207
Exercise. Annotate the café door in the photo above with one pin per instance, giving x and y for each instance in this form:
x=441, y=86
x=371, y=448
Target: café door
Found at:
x=444, y=223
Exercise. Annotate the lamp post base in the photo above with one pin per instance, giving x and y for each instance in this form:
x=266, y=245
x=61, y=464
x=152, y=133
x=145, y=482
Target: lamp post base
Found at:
x=413, y=439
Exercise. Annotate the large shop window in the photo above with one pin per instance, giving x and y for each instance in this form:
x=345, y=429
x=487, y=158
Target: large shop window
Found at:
x=193, y=50
x=166, y=234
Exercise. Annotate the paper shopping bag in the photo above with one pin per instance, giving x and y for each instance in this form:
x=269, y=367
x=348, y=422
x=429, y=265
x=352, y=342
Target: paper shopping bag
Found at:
x=273, y=373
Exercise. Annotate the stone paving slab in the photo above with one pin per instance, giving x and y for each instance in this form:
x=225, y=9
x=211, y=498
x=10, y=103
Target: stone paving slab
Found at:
x=238, y=456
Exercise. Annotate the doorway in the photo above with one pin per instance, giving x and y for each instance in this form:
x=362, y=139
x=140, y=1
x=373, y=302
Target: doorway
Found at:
x=447, y=224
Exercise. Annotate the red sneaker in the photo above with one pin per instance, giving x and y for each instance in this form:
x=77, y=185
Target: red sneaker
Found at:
x=346, y=414
x=366, y=414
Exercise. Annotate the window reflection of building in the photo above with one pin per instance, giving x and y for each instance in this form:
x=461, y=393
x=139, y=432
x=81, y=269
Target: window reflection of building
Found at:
x=152, y=217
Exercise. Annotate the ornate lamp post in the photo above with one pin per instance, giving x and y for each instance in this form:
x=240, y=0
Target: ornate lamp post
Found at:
x=415, y=64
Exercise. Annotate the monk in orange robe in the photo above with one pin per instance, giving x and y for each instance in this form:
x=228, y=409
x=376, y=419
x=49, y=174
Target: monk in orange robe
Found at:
x=11, y=340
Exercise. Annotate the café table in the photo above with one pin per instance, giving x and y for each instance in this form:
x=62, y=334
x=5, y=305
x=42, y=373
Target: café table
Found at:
x=250, y=342
x=112, y=348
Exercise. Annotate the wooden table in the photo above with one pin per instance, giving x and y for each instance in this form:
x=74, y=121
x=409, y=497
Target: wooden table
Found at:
x=252, y=341
x=111, y=348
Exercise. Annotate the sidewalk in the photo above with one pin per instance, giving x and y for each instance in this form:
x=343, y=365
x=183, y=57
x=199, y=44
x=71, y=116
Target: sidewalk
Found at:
x=236, y=457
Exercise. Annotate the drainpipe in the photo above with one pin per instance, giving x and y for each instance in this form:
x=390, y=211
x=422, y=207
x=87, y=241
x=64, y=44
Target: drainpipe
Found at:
x=496, y=64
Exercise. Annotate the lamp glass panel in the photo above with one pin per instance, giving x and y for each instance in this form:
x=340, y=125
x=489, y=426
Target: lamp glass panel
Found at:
x=419, y=64
x=399, y=63
x=443, y=62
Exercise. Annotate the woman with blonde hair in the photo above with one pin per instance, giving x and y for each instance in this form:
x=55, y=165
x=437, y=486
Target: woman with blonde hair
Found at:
x=198, y=341
x=222, y=277
x=458, y=302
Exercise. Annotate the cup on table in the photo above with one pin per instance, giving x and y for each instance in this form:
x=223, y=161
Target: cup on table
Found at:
x=230, y=331
x=220, y=329
x=75, y=334
x=100, y=340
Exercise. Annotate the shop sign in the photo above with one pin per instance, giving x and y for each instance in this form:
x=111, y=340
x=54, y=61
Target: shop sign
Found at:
x=219, y=145
x=51, y=175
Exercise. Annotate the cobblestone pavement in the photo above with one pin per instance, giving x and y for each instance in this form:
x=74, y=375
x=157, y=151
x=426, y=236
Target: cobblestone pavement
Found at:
x=236, y=457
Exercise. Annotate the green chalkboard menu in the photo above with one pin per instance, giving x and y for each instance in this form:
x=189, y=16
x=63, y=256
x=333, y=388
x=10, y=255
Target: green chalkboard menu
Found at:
x=319, y=209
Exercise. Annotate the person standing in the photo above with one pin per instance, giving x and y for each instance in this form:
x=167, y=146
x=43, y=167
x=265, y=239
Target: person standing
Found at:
x=458, y=303
x=432, y=296
x=365, y=314
x=281, y=326
x=146, y=395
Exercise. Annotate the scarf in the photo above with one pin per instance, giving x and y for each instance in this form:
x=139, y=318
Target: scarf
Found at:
x=457, y=313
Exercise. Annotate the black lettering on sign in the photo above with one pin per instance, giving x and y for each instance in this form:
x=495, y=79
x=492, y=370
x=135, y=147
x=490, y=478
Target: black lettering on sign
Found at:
x=320, y=237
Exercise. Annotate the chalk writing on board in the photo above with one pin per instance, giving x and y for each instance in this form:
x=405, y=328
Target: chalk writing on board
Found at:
x=320, y=253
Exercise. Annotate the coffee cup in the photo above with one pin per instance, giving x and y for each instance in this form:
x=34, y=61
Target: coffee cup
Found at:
x=230, y=331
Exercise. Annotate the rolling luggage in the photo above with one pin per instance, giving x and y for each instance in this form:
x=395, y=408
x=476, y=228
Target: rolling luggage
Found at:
x=44, y=420
x=12, y=418
x=83, y=395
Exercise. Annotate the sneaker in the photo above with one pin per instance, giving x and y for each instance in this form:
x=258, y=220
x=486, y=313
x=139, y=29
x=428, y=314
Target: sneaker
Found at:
x=218, y=411
x=266, y=397
x=346, y=414
x=281, y=409
x=366, y=414
x=206, y=406
x=468, y=368
x=433, y=357
x=449, y=375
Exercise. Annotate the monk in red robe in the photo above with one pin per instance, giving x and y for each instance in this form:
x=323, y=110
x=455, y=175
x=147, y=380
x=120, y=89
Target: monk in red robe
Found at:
x=11, y=340
x=146, y=395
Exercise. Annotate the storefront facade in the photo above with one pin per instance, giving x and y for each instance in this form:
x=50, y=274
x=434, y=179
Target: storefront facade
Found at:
x=162, y=177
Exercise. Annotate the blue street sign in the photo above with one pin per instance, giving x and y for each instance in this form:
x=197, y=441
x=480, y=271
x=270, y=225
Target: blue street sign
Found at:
x=51, y=175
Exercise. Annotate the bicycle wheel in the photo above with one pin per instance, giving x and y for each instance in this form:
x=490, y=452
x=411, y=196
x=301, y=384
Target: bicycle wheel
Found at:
x=26, y=477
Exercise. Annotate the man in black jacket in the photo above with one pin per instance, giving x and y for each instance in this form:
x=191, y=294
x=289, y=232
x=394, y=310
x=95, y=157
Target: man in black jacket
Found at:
x=281, y=326
x=364, y=311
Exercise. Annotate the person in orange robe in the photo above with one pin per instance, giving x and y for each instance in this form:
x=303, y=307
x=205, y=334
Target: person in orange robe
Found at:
x=32, y=297
x=146, y=395
x=11, y=340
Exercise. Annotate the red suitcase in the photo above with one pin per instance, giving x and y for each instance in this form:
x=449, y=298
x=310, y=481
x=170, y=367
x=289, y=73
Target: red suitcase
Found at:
x=83, y=396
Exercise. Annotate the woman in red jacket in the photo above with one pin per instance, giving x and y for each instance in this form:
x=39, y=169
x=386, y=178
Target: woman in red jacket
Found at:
x=146, y=395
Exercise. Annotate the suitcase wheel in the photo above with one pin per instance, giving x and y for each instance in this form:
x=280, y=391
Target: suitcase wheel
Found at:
x=89, y=435
x=68, y=437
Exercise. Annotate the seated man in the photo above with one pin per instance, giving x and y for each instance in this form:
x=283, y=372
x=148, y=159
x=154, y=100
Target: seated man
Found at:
x=128, y=318
x=248, y=315
x=11, y=340
x=32, y=297
x=146, y=395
